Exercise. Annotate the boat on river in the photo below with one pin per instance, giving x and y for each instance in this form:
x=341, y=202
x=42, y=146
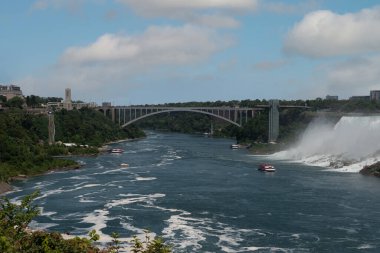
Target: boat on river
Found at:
x=117, y=151
x=265, y=167
x=235, y=146
x=124, y=165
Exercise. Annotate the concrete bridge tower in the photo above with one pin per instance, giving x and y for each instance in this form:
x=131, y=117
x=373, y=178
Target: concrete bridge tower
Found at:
x=51, y=128
x=274, y=120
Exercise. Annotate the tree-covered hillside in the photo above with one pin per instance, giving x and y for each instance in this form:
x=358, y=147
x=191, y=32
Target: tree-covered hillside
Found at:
x=90, y=127
x=23, y=139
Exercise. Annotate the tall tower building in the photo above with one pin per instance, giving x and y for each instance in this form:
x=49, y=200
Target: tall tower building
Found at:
x=375, y=95
x=68, y=103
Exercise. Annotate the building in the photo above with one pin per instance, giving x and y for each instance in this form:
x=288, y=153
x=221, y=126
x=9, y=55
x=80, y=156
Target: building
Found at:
x=68, y=104
x=10, y=91
x=359, y=98
x=375, y=95
x=329, y=97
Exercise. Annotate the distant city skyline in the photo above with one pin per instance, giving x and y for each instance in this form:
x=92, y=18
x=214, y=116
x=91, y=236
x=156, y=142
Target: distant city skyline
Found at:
x=149, y=52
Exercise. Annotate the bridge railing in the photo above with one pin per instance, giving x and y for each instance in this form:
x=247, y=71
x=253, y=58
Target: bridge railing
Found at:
x=126, y=114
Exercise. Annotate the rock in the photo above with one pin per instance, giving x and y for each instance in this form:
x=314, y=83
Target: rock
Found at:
x=371, y=170
x=4, y=187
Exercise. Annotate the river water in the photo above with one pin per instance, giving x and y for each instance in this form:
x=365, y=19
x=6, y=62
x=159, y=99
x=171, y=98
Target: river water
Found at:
x=201, y=196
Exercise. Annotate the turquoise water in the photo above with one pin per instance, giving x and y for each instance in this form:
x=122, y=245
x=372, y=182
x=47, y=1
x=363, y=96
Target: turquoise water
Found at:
x=201, y=196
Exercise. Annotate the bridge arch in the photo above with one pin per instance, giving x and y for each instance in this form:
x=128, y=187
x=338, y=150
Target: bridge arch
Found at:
x=180, y=110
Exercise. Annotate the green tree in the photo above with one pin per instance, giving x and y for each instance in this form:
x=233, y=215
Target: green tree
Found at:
x=15, y=102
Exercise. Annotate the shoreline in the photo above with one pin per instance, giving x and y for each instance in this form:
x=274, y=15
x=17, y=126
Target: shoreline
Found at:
x=7, y=187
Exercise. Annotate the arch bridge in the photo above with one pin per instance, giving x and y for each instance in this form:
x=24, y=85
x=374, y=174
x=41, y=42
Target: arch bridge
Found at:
x=126, y=115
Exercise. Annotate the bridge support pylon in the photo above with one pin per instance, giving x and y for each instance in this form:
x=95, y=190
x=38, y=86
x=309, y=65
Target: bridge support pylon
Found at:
x=51, y=128
x=274, y=120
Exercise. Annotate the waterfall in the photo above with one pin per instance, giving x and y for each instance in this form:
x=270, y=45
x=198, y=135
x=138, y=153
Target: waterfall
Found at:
x=347, y=146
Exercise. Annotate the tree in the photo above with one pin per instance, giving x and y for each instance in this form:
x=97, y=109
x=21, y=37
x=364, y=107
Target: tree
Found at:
x=3, y=99
x=15, y=102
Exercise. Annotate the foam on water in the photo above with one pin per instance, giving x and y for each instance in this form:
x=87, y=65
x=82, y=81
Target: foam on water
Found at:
x=181, y=225
x=145, y=178
x=41, y=226
x=184, y=226
x=134, y=198
x=346, y=147
x=43, y=213
x=82, y=177
x=98, y=218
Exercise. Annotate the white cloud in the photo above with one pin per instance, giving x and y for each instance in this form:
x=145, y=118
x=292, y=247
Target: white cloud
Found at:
x=115, y=60
x=211, y=13
x=325, y=33
x=216, y=21
x=352, y=77
x=355, y=77
x=156, y=46
x=284, y=8
x=153, y=8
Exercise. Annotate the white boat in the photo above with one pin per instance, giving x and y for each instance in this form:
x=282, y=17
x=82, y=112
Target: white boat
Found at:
x=266, y=167
x=124, y=164
x=117, y=150
x=235, y=146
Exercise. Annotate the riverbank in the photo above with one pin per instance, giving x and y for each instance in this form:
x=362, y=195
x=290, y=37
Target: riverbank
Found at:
x=371, y=170
x=105, y=147
x=7, y=187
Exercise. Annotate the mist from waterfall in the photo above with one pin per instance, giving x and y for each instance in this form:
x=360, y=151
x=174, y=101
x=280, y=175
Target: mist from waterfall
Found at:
x=348, y=145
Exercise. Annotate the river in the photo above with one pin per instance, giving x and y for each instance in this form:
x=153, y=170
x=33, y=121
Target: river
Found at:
x=201, y=196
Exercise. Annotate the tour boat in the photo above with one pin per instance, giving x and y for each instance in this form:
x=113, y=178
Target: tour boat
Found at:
x=235, y=146
x=117, y=150
x=266, y=167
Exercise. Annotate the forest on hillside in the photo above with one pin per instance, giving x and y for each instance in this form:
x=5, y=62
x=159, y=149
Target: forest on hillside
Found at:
x=23, y=139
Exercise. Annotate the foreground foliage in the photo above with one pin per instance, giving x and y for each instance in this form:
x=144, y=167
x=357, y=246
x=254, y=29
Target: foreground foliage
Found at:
x=15, y=236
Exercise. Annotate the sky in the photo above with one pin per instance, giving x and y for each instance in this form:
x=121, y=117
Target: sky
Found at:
x=130, y=52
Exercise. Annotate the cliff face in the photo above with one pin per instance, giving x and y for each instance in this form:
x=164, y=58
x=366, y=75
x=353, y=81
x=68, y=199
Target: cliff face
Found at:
x=4, y=187
x=371, y=170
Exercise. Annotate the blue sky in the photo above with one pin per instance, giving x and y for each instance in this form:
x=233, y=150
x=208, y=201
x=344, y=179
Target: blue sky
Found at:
x=157, y=51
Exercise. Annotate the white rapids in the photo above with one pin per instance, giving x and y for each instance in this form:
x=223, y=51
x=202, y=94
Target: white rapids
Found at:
x=347, y=146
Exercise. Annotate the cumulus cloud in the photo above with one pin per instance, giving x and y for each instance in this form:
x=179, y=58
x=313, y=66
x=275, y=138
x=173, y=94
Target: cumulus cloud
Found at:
x=284, y=8
x=324, y=33
x=212, y=13
x=116, y=59
x=215, y=21
x=153, y=8
x=156, y=46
